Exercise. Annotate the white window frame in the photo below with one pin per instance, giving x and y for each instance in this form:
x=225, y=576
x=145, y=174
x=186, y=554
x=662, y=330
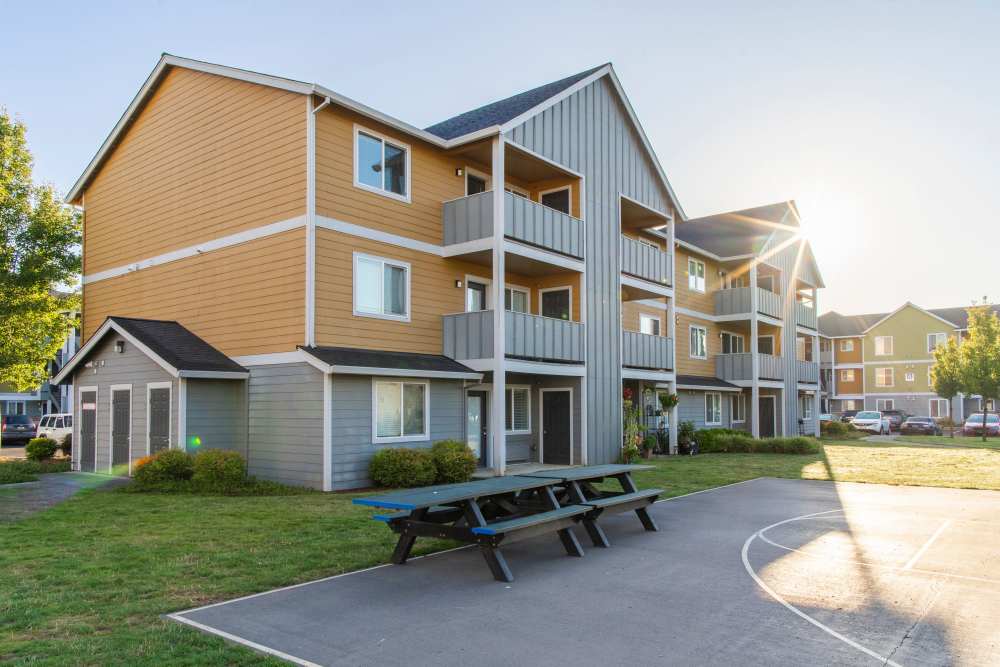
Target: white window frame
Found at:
x=392, y=262
x=527, y=298
x=847, y=345
x=704, y=331
x=738, y=400
x=170, y=411
x=717, y=396
x=482, y=281
x=732, y=337
x=558, y=288
x=938, y=401
x=511, y=388
x=847, y=370
x=939, y=339
x=886, y=351
x=807, y=407
x=704, y=277
x=559, y=189
x=882, y=404
x=646, y=317
x=472, y=171
x=892, y=376
x=359, y=130
x=769, y=337
x=420, y=437
x=908, y=376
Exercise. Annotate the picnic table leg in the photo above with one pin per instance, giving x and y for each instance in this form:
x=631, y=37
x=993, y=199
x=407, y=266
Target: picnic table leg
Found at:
x=566, y=535
x=594, y=531
x=405, y=543
x=494, y=559
x=629, y=487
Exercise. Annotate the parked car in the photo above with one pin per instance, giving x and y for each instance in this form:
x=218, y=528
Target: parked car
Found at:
x=974, y=425
x=16, y=429
x=55, y=426
x=896, y=418
x=872, y=421
x=847, y=415
x=920, y=426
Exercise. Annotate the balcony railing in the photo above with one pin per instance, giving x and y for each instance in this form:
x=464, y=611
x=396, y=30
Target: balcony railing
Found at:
x=807, y=371
x=641, y=350
x=736, y=301
x=645, y=261
x=470, y=336
x=740, y=367
x=805, y=315
x=471, y=218
x=826, y=356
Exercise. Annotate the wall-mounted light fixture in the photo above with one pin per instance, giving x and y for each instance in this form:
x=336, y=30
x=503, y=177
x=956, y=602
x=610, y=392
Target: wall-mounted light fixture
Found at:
x=459, y=171
x=119, y=346
x=458, y=283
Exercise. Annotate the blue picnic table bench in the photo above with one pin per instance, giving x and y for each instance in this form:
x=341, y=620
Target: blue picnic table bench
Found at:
x=503, y=510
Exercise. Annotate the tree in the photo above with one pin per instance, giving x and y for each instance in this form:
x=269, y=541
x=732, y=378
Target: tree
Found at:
x=39, y=254
x=947, y=373
x=980, y=357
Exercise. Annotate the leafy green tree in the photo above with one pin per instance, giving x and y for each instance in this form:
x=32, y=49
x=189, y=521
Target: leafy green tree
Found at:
x=980, y=356
x=947, y=373
x=39, y=254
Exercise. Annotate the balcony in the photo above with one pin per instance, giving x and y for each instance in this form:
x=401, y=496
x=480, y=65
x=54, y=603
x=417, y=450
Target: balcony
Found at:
x=826, y=357
x=736, y=301
x=470, y=336
x=641, y=350
x=807, y=371
x=645, y=261
x=739, y=367
x=805, y=315
x=471, y=218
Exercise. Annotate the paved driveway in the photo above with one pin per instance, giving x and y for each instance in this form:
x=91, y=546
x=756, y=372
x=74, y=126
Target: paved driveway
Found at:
x=767, y=572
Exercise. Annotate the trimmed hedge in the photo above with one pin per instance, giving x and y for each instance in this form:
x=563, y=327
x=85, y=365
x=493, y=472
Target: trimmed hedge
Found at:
x=837, y=430
x=453, y=460
x=402, y=468
x=728, y=441
x=41, y=449
x=218, y=470
x=168, y=465
x=67, y=445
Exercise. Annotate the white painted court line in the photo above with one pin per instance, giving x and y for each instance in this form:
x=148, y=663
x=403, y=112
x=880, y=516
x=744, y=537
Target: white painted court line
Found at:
x=937, y=533
x=792, y=608
x=714, y=488
x=245, y=642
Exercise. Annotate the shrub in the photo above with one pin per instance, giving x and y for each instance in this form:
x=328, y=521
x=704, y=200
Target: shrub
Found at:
x=402, y=468
x=40, y=449
x=833, y=429
x=168, y=465
x=218, y=470
x=796, y=445
x=706, y=438
x=453, y=461
x=67, y=445
x=649, y=443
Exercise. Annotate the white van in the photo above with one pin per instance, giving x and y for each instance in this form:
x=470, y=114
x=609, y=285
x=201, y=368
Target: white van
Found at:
x=55, y=426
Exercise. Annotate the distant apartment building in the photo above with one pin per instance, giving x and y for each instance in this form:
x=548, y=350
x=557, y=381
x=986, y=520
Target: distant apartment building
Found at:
x=47, y=398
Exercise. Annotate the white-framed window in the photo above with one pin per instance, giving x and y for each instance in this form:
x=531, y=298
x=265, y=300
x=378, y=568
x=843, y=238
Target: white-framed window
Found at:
x=400, y=411
x=988, y=405
x=908, y=376
x=649, y=324
x=806, y=407
x=883, y=346
x=847, y=345
x=852, y=404
x=518, y=418
x=696, y=274
x=558, y=198
x=937, y=408
x=732, y=343
x=885, y=404
x=713, y=409
x=885, y=377
x=381, y=164
x=698, y=347
x=935, y=340
x=847, y=375
x=517, y=299
x=381, y=287
x=479, y=296
x=738, y=406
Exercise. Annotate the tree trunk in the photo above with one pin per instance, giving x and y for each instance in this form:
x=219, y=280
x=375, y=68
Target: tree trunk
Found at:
x=986, y=413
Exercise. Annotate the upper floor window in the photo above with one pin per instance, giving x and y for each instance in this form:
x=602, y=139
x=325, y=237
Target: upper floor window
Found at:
x=936, y=340
x=699, y=342
x=847, y=375
x=847, y=345
x=883, y=346
x=381, y=287
x=885, y=377
x=696, y=275
x=516, y=299
x=381, y=164
x=649, y=324
x=909, y=377
x=825, y=345
x=559, y=199
x=732, y=343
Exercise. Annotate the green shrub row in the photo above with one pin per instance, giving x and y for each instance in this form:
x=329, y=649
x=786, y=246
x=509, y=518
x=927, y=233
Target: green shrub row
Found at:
x=724, y=440
x=837, y=430
x=14, y=471
x=446, y=462
x=210, y=470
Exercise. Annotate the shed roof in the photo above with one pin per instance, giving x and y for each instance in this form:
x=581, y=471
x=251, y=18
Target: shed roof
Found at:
x=358, y=361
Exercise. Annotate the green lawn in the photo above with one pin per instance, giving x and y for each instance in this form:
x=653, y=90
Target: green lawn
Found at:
x=957, y=441
x=15, y=471
x=86, y=582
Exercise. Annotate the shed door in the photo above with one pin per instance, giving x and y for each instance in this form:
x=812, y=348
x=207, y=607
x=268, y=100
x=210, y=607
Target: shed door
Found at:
x=159, y=419
x=556, y=428
x=121, y=429
x=88, y=427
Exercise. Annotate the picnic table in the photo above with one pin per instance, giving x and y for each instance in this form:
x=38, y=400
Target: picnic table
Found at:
x=497, y=510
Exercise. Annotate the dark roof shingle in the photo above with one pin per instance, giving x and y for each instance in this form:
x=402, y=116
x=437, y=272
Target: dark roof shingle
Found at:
x=702, y=381
x=361, y=358
x=177, y=346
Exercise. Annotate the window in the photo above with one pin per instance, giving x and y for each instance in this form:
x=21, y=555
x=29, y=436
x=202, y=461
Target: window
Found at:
x=381, y=288
x=15, y=407
x=557, y=303
x=847, y=375
x=516, y=299
x=713, y=409
x=732, y=343
x=852, y=404
x=885, y=377
x=557, y=199
x=649, y=324
x=825, y=345
x=401, y=411
x=696, y=275
x=936, y=340
x=518, y=410
x=476, y=296
x=699, y=342
x=883, y=346
x=938, y=408
x=765, y=344
x=847, y=345
x=806, y=407
x=738, y=406
x=475, y=182
x=381, y=165
x=884, y=404
x=908, y=377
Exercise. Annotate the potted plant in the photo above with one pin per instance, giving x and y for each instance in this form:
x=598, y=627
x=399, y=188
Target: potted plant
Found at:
x=648, y=446
x=631, y=428
x=669, y=401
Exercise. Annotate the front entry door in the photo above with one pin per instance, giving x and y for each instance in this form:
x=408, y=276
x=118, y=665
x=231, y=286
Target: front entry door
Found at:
x=477, y=423
x=766, y=416
x=88, y=430
x=556, y=427
x=121, y=430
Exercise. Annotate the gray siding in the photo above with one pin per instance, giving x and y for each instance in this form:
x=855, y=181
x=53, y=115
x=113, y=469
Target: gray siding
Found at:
x=641, y=350
x=918, y=405
x=216, y=414
x=285, y=439
x=691, y=408
x=644, y=261
x=470, y=336
x=591, y=133
x=525, y=447
x=468, y=218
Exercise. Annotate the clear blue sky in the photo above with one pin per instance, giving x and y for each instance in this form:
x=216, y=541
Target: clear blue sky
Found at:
x=880, y=119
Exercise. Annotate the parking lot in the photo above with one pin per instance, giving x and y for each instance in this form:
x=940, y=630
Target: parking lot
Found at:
x=763, y=572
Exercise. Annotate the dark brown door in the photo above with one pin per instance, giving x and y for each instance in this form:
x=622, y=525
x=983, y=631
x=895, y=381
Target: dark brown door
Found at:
x=556, y=428
x=159, y=419
x=121, y=430
x=556, y=304
x=766, y=416
x=88, y=428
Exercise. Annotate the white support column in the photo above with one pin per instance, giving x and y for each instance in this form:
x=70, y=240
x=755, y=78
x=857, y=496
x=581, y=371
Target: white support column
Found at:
x=310, y=291
x=754, y=358
x=182, y=402
x=672, y=332
x=498, y=453
x=817, y=400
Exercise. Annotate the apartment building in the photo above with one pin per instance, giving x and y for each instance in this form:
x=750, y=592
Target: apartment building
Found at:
x=272, y=267
x=883, y=361
x=47, y=397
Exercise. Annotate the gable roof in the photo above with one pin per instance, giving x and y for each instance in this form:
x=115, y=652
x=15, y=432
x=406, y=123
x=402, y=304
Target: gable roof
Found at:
x=906, y=305
x=357, y=361
x=176, y=349
x=835, y=325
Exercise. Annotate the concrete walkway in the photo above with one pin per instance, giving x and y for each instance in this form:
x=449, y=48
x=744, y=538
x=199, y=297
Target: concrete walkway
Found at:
x=18, y=501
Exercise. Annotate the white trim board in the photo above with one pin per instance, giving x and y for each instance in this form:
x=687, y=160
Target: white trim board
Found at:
x=647, y=285
x=644, y=374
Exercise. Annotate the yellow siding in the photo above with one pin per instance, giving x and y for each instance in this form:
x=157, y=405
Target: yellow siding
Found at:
x=631, y=311
x=685, y=364
x=689, y=298
x=841, y=357
x=244, y=299
x=207, y=157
